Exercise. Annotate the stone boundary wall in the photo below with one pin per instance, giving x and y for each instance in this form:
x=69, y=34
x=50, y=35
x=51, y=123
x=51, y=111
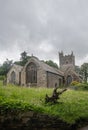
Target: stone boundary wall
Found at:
x=29, y=120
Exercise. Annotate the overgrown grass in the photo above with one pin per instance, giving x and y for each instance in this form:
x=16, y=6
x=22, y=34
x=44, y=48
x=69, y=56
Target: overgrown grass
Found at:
x=72, y=104
x=1, y=82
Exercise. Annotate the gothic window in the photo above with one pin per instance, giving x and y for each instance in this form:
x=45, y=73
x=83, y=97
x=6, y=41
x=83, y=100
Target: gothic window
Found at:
x=13, y=77
x=31, y=73
x=69, y=79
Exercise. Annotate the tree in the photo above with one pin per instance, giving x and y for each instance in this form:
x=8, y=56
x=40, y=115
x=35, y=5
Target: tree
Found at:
x=23, y=55
x=4, y=68
x=23, y=59
x=78, y=70
x=84, y=71
x=51, y=63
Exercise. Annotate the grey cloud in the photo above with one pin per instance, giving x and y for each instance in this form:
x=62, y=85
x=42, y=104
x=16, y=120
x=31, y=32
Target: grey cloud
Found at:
x=27, y=24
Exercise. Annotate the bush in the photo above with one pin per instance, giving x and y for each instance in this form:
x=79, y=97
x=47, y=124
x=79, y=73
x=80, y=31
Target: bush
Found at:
x=74, y=83
x=82, y=86
x=79, y=86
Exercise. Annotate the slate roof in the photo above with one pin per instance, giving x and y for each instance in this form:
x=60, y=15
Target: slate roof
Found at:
x=18, y=67
x=47, y=67
x=51, y=69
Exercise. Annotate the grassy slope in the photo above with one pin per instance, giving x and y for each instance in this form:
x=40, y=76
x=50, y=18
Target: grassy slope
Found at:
x=72, y=104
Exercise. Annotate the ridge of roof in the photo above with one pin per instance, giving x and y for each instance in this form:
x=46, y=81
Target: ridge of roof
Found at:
x=17, y=65
x=48, y=68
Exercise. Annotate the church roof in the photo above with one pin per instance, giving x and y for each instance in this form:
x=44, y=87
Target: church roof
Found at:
x=51, y=69
x=18, y=67
x=71, y=71
x=64, y=68
x=46, y=67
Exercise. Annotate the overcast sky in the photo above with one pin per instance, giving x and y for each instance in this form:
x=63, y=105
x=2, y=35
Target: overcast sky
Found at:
x=43, y=28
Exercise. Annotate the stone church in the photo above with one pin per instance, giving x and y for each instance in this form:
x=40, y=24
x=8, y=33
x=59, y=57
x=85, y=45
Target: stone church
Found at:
x=39, y=74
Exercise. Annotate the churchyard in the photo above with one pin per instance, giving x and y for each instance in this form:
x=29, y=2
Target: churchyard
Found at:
x=71, y=107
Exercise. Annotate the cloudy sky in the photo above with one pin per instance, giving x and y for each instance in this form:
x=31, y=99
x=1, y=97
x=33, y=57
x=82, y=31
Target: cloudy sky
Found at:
x=43, y=28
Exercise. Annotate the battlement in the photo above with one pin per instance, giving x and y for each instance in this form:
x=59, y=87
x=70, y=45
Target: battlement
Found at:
x=66, y=60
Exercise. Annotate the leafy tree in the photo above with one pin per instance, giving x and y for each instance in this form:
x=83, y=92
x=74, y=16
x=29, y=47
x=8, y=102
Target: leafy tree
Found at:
x=84, y=71
x=23, y=55
x=4, y=68
x=78, y=69
x=23, y=59
x=51, y=63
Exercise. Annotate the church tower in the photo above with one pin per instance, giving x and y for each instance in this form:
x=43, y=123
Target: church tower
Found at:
x=66, y=61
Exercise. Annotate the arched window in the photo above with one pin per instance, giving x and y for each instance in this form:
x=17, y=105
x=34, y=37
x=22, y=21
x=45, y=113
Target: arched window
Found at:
x=13, y=77
x=31, y=73
x=69, y=79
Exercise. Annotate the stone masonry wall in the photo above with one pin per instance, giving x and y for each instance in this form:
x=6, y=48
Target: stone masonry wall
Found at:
x=41, y=78
x=20, y=120
x=23, y=78
x=66, y=59
x=9, y=75
x=53, y=80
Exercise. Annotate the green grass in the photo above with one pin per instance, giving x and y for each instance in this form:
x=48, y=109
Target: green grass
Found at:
x=72, y=105
x=1, y=83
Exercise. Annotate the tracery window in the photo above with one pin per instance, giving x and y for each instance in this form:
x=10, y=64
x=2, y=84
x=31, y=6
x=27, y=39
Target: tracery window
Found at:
x=13, y=77
x=31, y=73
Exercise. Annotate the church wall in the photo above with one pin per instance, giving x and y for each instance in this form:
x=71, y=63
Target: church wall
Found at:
x=74, y=76
x=9, y=75
x=44, y=78
x=23, y=78
x=41, y=78
x=54, y=80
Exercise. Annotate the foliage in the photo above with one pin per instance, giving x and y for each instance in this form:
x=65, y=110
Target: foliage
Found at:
x=78, y=69
x=72, y=105
x=73, y=83
x=82, y=86
x=84, y=71
x=2, y=77
x=1, y=83
x=79, y=86
x=23, y=59
x=4, y=68
x=23, y=55
x=51, y=63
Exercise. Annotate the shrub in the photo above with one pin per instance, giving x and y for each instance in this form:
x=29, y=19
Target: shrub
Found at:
x=74, y=83
x=79, y=86
x=82, y=86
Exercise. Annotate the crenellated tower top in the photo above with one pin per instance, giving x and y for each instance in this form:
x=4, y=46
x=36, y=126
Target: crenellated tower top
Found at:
x=66, y=60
